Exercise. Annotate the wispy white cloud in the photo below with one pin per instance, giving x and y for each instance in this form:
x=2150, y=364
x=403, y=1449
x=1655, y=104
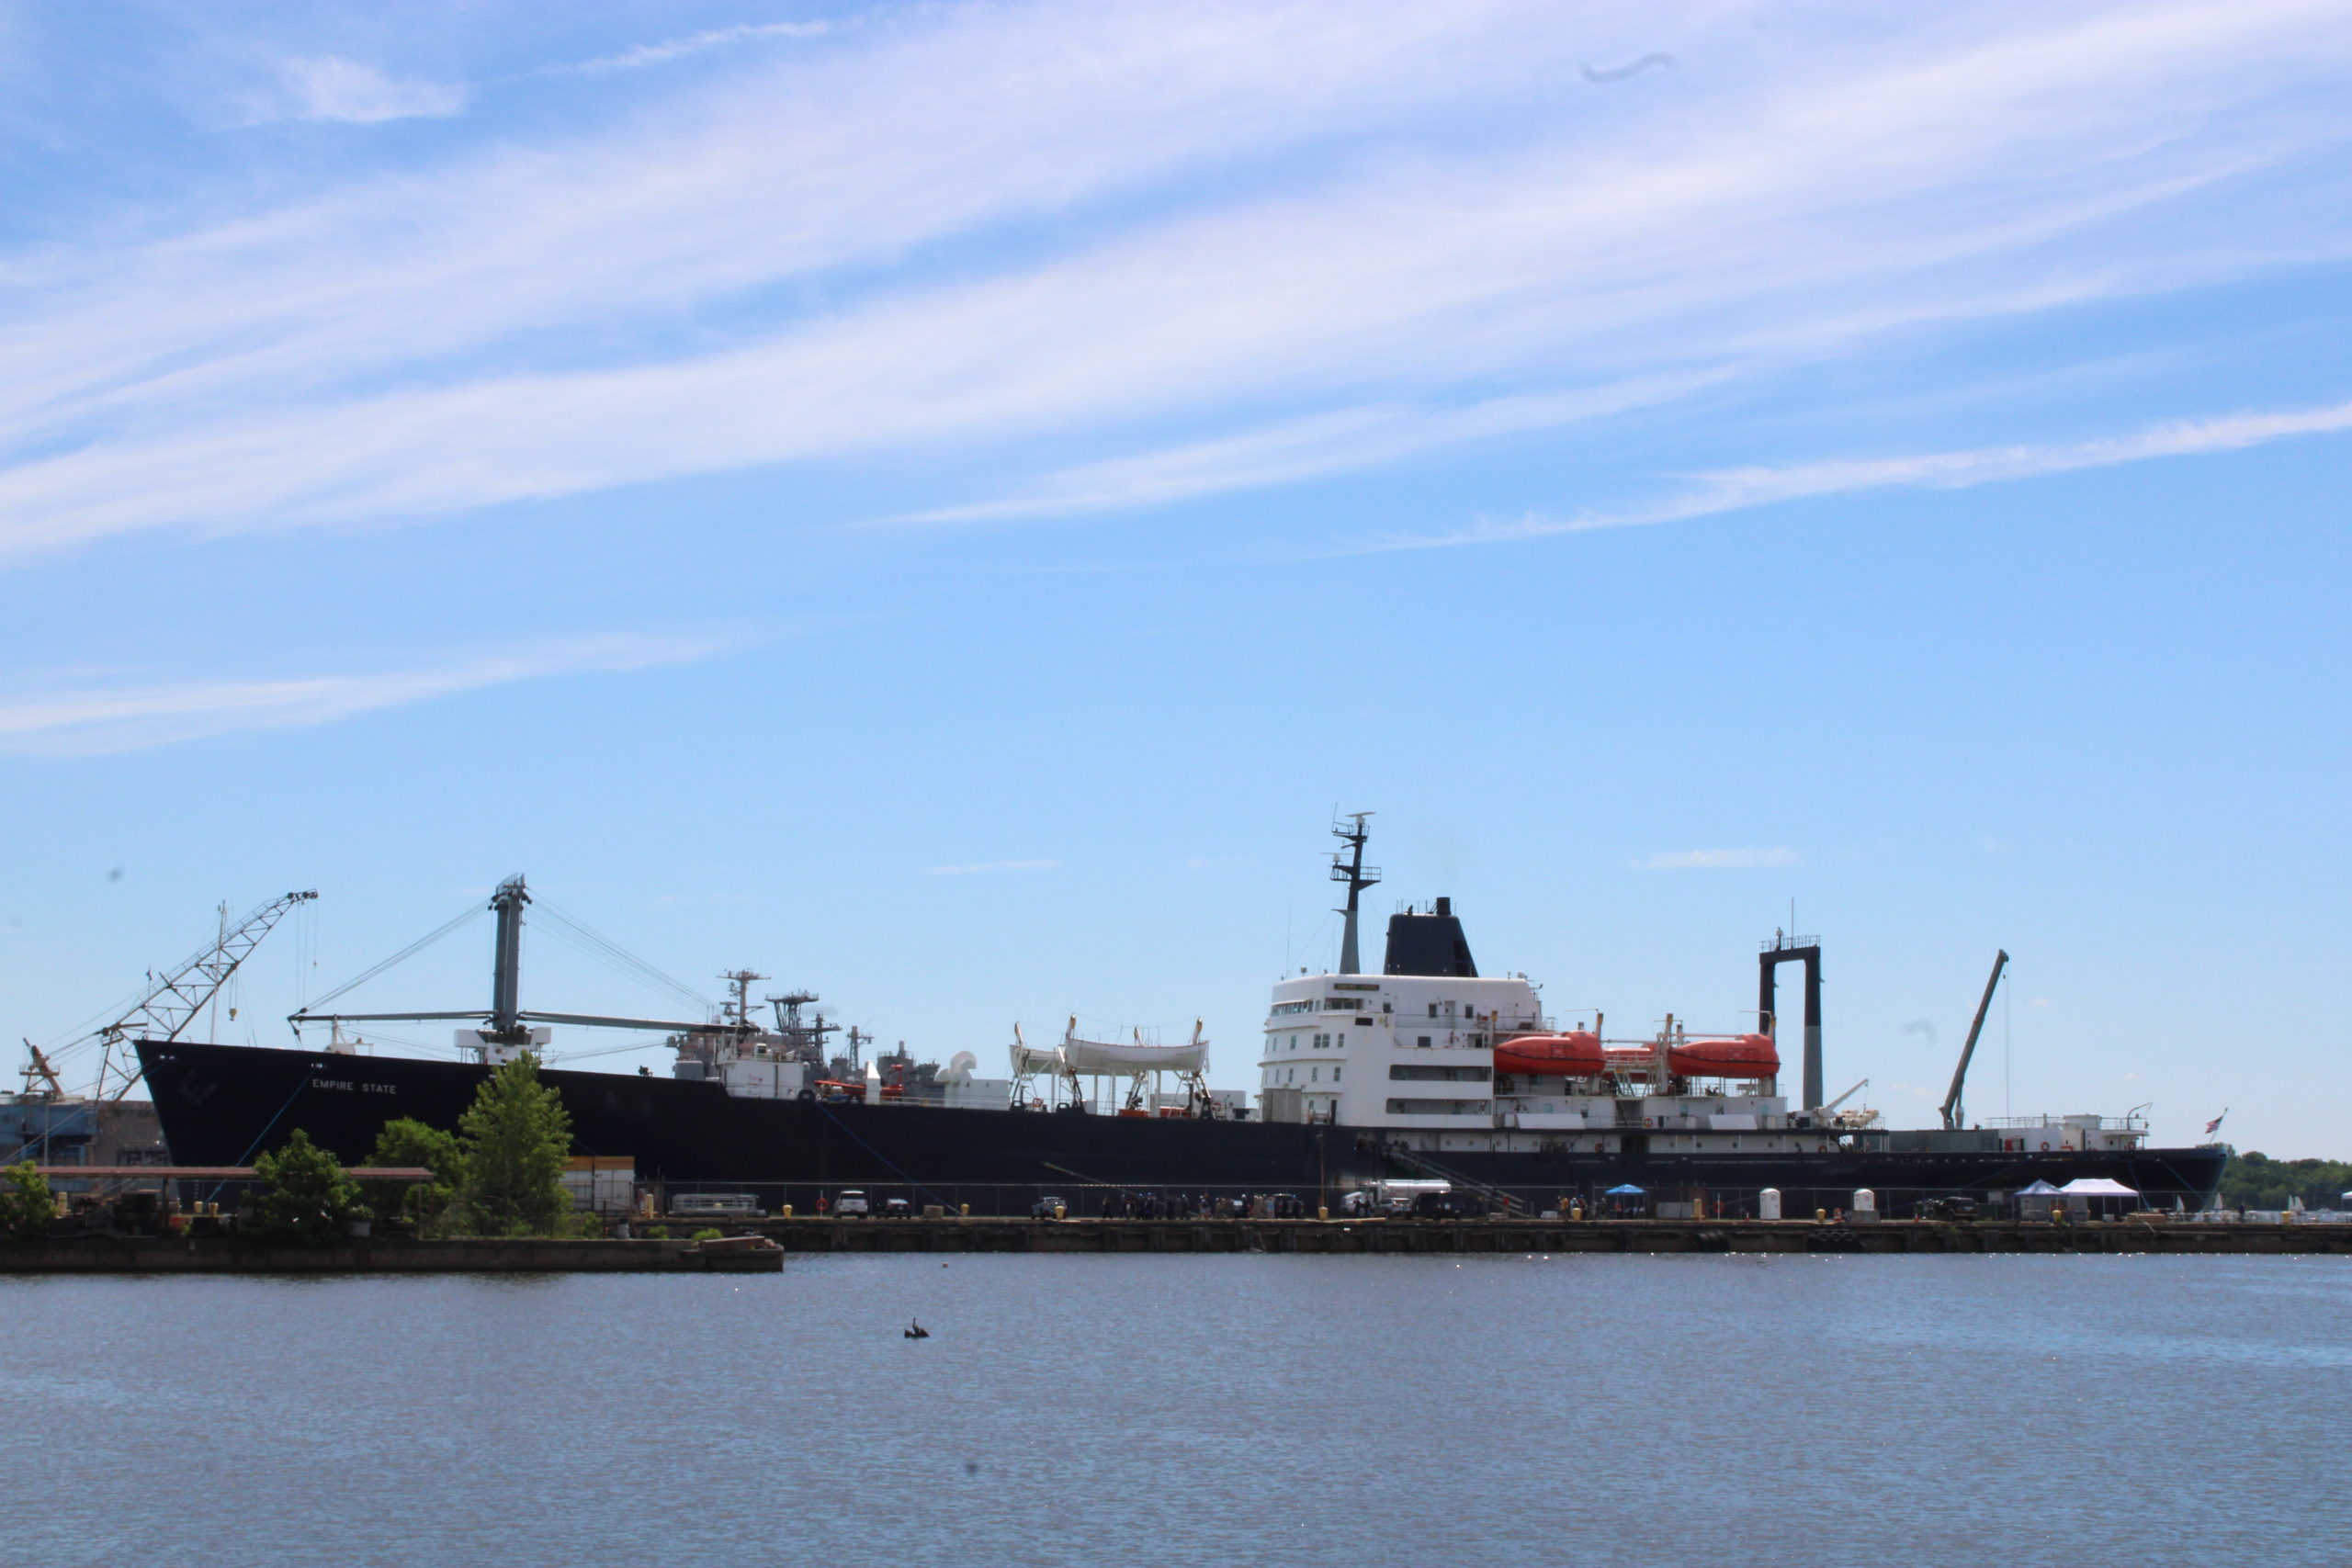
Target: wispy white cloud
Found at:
x=1718, y=860
x=928, y=134
x=1288, y=451
x=1735, y=490
x=330, y=87
x=662, y=53
x=89, y=720
x=978, y=867
x=723, y=283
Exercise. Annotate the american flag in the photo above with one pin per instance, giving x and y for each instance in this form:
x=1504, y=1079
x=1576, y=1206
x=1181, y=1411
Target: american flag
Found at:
x=2215, y=1124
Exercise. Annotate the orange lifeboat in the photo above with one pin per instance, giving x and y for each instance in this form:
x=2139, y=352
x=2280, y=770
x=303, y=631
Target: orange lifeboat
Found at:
x=1575, y=1054
x=1731, y=1056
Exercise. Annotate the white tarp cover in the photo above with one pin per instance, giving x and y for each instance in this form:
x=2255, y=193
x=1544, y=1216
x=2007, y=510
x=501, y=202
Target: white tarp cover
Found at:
x=2098, y=1187
x=2040, y=1189
x=1112, y=1056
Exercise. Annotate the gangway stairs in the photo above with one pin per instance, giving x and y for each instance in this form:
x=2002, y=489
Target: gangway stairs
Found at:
x=1420, y=1164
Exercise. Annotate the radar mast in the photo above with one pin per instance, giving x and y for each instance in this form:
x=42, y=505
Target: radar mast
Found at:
x=1349, y=867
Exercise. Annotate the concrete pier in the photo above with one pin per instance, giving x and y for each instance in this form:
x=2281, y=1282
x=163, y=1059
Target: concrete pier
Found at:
x=742, y=1251
x=212, y=1255
x=1358, y=1235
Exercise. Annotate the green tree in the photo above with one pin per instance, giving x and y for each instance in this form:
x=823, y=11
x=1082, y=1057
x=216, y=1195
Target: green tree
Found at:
x=408, y=1142
x=515, y=1138
x=26, y=1207
x=305, y=1197
x=2255, y=1180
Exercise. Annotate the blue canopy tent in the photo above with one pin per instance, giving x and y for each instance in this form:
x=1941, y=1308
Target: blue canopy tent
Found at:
x=1624, y=1199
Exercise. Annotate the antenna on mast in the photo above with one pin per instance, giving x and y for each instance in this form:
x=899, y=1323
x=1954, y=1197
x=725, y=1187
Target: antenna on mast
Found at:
x=1349, y=867
x=737, y=1009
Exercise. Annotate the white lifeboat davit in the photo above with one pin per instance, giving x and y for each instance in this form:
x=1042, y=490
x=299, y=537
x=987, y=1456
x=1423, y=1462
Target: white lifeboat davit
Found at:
x=1126, y=1058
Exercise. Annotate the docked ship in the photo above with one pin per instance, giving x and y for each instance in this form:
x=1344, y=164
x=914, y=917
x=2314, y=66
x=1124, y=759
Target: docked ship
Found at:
x=1424, y=1070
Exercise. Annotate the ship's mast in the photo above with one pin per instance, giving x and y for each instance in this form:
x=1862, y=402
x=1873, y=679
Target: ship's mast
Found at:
x=1349, y=867
x=509, y=1022
x=506, y=965
x=739, y=1011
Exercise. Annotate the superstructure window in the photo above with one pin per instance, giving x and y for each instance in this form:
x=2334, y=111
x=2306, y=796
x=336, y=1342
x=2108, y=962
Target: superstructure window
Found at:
x=1402, y=1072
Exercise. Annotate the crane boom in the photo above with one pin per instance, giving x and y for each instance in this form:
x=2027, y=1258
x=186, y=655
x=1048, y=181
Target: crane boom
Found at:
x=41, y=1069
x=1952, y=1106
x=173, y=999
x=1842, y=1099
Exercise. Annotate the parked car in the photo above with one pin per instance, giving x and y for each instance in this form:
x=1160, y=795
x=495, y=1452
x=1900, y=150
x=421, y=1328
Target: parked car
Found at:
x=1948, y=1209
x=851, y=1201
x=1043, y=1209
x=897, y=1206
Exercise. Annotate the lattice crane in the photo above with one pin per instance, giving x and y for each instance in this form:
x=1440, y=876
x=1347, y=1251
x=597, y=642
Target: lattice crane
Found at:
x=174, y=997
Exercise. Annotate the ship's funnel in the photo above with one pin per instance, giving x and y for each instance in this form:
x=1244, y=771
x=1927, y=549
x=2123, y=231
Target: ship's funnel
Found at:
x=1428, y=943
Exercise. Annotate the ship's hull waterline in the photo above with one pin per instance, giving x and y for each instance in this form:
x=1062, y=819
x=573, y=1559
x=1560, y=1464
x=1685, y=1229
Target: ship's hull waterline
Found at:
x=222, y=1105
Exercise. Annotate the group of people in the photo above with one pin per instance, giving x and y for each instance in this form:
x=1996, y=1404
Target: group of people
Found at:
x=1199, y=1206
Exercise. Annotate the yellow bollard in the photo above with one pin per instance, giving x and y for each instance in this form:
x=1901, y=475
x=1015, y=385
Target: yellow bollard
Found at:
x=1821, y=1216
x=964, y=1210
x=1060, y=1212
x=787, y=1210
x=1322, y=1210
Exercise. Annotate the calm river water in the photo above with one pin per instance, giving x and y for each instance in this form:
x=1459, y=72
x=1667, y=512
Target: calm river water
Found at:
x=1203, y=1411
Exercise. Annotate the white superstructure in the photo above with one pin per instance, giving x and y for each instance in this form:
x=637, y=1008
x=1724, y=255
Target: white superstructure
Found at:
x=1389, y=1050
x=1411, y=1054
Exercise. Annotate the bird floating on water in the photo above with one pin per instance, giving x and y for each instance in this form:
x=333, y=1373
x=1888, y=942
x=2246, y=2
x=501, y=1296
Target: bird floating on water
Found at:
x=915, y=1330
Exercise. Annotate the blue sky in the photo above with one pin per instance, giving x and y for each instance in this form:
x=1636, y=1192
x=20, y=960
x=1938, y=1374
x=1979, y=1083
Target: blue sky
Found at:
x=940, y=503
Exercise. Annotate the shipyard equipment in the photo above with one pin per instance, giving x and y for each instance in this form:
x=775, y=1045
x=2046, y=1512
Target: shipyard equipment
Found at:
x=1786, y=949
x=1952, y=1111
x=172, y=999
